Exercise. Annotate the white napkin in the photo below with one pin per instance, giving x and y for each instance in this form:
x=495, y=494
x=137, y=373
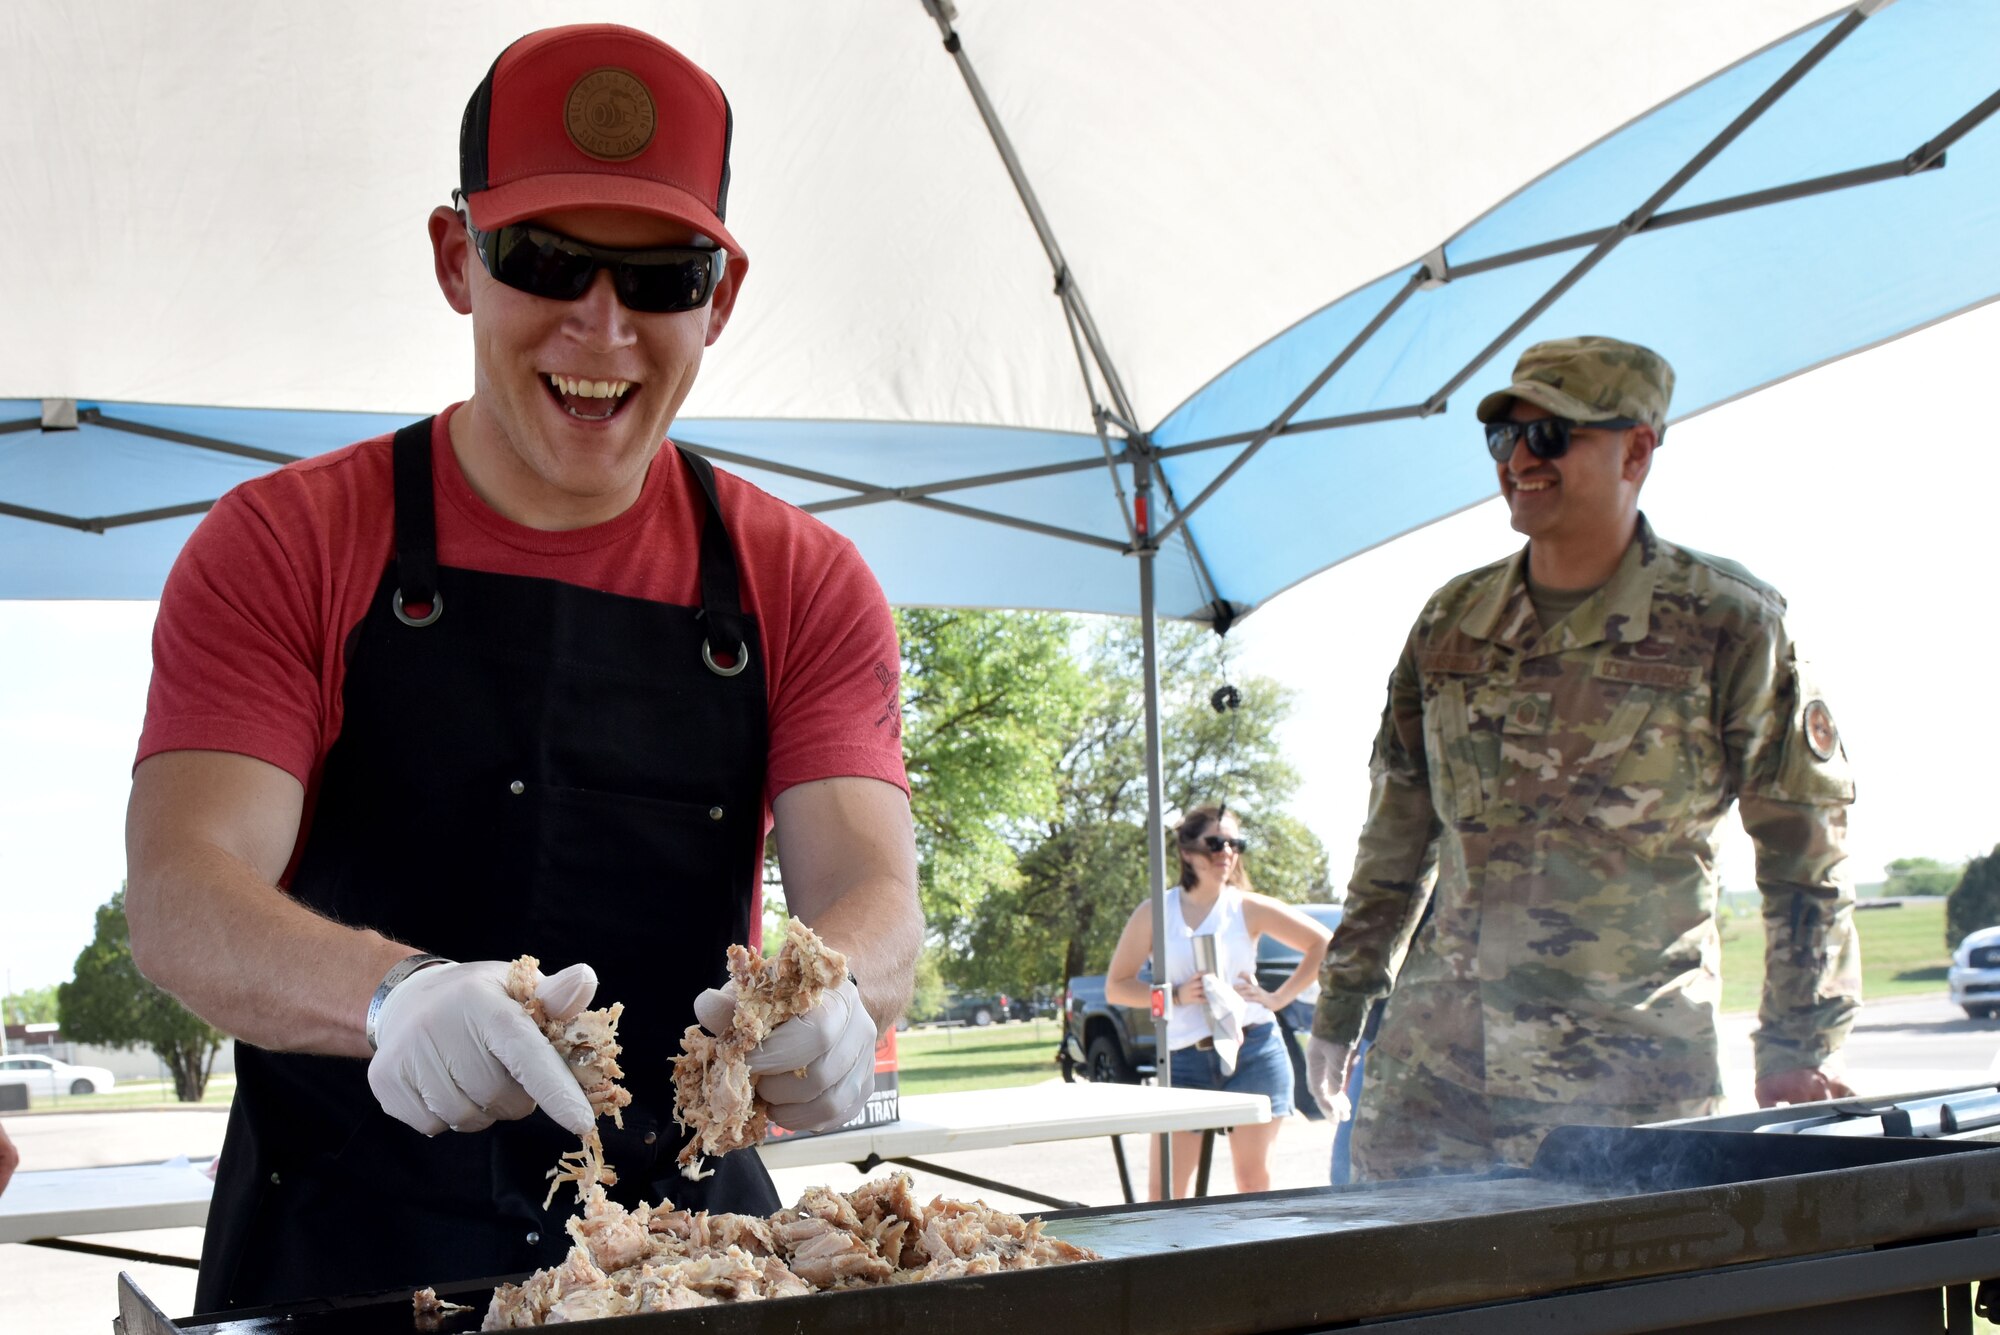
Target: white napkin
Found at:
x=1225, y=1020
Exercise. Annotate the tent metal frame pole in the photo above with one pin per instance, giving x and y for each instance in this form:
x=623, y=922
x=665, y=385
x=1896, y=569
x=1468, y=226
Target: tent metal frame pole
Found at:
x=1928, y=157
x=1644, y=213
x=96, y=417
x=1933, y=152
x=1075, y=308
x=942, y=12
x=1225, y=611
x=1299, y=428
x=101, y=524
x=25, y=424
x=964, y=511
x=1755, y=199
x=1277, y=424
x=1098, y=415
x=1025, y=525
x=878, y=494
x=1156, y=862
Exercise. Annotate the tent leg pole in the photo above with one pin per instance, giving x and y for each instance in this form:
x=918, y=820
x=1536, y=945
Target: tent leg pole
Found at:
x=1156, y=855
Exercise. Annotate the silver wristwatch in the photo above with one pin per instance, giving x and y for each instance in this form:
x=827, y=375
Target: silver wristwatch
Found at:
x=398, y=972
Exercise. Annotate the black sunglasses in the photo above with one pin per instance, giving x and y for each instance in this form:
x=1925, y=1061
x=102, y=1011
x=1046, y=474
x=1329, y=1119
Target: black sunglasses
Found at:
x=549, y=264
x=1215, y=843
x=1545, y=437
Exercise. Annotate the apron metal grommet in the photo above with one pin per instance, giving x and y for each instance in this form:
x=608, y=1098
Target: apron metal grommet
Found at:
x=742, y=660
x=437, y=609
x=517, y=788
x=274, y=1179
x=534, y=1238
x=652, y=1136
x=715, y=813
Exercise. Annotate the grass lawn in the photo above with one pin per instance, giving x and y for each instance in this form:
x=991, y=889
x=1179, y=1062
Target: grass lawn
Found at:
x=1902, y=952
x=935, y=1061
x=129, y=1094
x=932, y=1062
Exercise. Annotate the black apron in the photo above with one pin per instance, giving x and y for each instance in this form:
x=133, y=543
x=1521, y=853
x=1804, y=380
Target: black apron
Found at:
x=538, y=768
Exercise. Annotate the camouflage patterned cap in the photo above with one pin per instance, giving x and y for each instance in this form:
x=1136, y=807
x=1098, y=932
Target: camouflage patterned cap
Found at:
x=1588, y=379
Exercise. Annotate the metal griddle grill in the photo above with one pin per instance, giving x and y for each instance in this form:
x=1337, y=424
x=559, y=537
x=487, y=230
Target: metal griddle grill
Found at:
x=1688, y=1228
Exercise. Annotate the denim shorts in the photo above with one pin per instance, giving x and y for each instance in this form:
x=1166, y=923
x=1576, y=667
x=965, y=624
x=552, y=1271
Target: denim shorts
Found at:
x=1261, y=1068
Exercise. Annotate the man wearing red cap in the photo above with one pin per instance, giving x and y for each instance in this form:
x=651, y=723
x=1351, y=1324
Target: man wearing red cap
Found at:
x=516, y=680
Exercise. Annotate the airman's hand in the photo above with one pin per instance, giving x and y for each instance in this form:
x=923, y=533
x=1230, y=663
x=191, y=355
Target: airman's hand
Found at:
x=1808, y=1085
x=1326, y=1077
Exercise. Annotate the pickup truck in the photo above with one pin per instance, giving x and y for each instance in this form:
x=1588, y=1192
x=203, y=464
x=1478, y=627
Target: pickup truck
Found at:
x=1111, y=1044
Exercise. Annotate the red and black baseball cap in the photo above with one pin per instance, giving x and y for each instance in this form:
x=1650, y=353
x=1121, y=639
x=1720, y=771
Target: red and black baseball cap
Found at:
x=597, y=116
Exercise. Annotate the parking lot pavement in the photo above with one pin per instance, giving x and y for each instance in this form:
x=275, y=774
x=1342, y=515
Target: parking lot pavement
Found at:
x=62, y=1293
x=101, y=1139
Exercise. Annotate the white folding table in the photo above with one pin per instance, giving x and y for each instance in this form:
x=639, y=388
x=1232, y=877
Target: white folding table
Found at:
x=51, y=1207
x=985, y=1119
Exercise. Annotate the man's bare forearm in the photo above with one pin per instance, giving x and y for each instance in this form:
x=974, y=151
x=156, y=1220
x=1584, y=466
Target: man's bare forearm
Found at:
x=206, y=837
x=881, y=947
x=850, y=865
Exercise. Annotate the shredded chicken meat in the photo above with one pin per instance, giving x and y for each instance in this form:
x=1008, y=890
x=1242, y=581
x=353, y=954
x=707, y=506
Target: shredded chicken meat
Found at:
x=588, y=1044
x=654, y=1259
x=431, y=1310
x=713, y=1095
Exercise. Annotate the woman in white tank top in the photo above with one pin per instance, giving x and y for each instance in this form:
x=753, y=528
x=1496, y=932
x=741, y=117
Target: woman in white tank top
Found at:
x=1215, y=900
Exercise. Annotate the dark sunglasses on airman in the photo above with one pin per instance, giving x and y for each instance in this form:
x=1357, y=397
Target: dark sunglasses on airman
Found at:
x=548, y=264
x=1215, y=843
x=1545, y=437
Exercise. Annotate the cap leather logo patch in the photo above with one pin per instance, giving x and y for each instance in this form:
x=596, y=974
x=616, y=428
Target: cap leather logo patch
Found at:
x=609, y=115
x=1820, y=734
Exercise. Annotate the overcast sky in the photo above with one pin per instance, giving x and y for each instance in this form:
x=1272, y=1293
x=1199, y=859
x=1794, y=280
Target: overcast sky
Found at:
x=1865, y=491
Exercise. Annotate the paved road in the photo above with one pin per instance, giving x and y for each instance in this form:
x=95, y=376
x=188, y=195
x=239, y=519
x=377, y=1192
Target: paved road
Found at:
x=1898, y=1047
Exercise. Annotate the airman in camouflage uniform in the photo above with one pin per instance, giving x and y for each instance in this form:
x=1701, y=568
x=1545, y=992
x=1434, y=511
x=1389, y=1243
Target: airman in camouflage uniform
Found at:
x=1564, y=784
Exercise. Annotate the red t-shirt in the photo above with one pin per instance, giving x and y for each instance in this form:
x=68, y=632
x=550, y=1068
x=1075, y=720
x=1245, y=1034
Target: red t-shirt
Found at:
x=248, y=650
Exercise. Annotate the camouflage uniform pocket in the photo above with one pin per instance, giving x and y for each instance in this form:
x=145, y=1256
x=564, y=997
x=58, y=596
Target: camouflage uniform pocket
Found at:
x=1458, y=790
x=1669, y=780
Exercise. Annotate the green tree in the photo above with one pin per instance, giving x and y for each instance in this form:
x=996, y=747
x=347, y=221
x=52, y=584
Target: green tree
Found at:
x=928, y=997
x=1086, y=869
x=1975, y=903
x=1922, y=876
x=34, y=1005
x=989, y=699
x=110, y=1002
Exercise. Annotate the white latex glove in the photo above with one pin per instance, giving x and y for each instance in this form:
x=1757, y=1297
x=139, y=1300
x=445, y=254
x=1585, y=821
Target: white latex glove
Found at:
x=815, y=1070
x=456, y=1052
x=1326, y=1076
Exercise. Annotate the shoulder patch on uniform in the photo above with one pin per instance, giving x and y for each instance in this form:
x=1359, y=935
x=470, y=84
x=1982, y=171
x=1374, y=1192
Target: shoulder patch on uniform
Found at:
x=1821, y=736
x=1438, y=660
x=1677, y=675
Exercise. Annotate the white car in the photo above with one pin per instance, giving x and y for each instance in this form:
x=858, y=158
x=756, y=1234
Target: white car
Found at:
x=1975, y=973
x=46, y=1078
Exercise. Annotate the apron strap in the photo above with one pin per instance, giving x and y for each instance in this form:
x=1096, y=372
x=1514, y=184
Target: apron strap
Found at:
x=721, y=599
x=416, y=527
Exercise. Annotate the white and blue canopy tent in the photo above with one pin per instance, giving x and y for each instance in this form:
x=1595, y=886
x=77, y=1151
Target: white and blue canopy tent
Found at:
x=218, y=216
